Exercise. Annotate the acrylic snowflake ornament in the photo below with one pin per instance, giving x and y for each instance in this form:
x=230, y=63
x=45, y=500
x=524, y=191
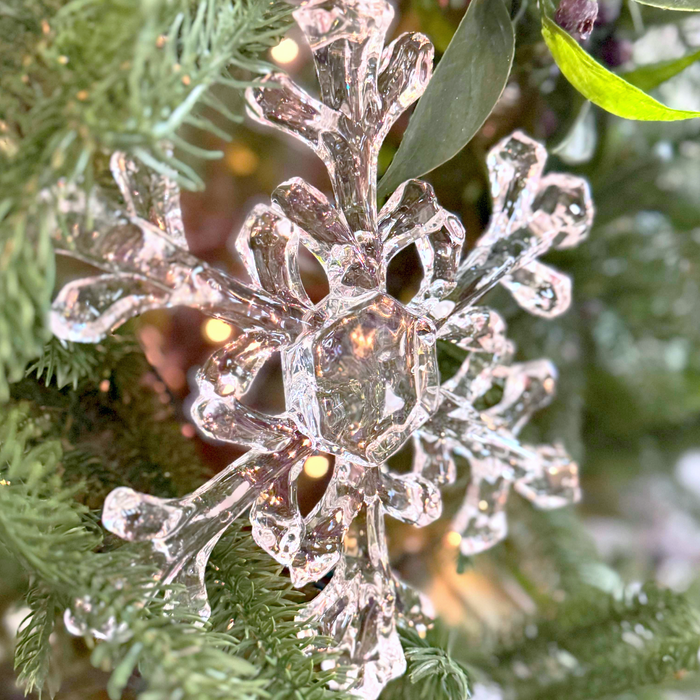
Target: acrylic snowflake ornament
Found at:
x=360, y=368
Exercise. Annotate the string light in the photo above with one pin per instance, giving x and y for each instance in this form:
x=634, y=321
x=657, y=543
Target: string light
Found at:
x=216, y=331
x=241, y=160
x=317, y=466
x=453, y=538
x=285, y=52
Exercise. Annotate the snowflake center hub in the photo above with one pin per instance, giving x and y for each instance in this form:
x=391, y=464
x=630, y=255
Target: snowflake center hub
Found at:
x=365, y=381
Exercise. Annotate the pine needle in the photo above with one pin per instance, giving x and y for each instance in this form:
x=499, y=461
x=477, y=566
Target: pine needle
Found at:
x=81, y=79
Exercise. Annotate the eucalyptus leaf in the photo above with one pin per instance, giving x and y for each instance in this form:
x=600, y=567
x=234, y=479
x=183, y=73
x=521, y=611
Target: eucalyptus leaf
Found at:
x=653, y=75
x=602, y=87
x=682, y=5
x=468, y=82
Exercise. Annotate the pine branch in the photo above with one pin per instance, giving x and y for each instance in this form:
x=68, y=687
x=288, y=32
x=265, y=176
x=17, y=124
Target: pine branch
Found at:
x=52, y=536
x=255, y=604
x=597, y=645
x=40, y=523
x=33, y=648
x=82, y=78
x=67, y=363
x=175, y=655
x=120, y=434
x=26, y=283
x=432, y=672
x=85, y=78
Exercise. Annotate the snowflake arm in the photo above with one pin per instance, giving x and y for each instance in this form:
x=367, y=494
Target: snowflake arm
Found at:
x=531, y=214
x=146, y=265
x=179, y=534
x=360, y=368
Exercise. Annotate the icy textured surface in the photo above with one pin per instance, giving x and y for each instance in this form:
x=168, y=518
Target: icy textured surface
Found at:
x=365, y=382
x=358, y=608
x=360, y=368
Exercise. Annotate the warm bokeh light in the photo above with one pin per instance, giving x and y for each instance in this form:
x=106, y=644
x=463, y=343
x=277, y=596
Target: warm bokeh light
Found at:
x=285, y=52
x=216, y=331
x=240, y=159
x=453, y=538
x=317, y=466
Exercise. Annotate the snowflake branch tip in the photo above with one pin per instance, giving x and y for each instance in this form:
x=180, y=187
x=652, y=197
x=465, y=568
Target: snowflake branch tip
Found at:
x=360, y=368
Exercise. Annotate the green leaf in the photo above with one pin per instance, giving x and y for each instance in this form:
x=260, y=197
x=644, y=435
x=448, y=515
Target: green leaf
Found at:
x=605, y=89
x=653, y=75
x=682, y=5
x=467, y=84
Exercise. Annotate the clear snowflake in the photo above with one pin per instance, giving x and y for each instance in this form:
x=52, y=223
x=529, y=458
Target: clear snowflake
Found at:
x=360, y=368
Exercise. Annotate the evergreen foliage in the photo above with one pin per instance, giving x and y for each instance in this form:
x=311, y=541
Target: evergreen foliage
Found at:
x=258, y=612
x=33, y=649
x=65, y=363
x=82, y=78
x=432, y=671
x=55, y=539
x=599, y=646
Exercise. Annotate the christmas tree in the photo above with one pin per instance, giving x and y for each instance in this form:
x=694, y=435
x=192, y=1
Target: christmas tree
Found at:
x=130, y=336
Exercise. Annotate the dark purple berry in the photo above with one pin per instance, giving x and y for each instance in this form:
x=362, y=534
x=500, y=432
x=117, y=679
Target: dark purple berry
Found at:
x=577, y=17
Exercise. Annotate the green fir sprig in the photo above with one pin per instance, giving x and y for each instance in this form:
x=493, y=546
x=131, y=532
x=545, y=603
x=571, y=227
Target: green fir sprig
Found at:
x=80, y=79
x=601, y=645
x=433, y=672
x=57, y=543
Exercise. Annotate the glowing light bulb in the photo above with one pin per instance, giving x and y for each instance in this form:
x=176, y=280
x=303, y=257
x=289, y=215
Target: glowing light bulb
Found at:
x=453, y=538
x=241, y=160
x=317, y=466
x=285, y=52
x=216, y=331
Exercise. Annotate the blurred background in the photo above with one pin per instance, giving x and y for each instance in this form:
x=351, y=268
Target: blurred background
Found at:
x=628, y=350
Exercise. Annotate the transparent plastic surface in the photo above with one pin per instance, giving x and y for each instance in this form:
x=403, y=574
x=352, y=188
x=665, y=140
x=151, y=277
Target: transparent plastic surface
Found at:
x=360, y=368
